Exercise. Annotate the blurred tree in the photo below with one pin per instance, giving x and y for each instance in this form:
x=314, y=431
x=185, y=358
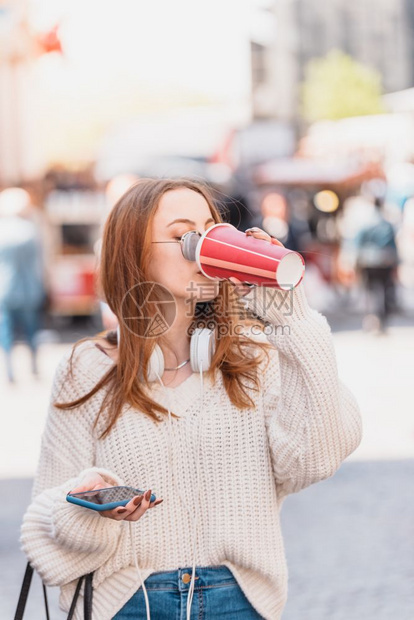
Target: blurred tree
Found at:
x=337, y=86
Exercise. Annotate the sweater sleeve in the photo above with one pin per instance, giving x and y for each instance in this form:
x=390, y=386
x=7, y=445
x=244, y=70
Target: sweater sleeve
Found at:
x=61, y=540
x=313, y=420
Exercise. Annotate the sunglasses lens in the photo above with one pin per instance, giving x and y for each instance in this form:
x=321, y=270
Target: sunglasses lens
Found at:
x=189, y=244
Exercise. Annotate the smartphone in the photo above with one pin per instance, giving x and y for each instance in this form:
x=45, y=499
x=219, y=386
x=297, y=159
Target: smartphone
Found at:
x=105, y=499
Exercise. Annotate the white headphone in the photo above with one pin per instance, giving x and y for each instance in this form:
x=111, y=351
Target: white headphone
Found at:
x=202, y=347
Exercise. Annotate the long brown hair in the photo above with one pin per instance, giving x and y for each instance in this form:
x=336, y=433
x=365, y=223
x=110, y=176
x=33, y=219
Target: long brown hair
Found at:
x=124, y=264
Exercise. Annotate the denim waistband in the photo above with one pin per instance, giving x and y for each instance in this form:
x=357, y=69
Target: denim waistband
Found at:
x=206, y=577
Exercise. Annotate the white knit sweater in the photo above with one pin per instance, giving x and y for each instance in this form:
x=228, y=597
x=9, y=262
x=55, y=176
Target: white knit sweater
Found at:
x=304, y=424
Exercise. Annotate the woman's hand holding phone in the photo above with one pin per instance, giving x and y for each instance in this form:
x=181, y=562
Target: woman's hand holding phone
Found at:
x=132, y=511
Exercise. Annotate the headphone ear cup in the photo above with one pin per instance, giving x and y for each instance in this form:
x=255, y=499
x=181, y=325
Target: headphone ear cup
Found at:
x=156, y=364
x=156, y=361
x=202, y=347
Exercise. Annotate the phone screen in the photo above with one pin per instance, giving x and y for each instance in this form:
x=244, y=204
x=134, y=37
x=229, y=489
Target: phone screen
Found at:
x=107, y=496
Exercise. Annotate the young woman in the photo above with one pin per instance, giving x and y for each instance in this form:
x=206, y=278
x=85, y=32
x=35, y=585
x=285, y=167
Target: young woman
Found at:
x=221, y=448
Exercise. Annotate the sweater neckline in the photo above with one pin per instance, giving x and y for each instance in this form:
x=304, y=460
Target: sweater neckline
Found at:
x=180, y=397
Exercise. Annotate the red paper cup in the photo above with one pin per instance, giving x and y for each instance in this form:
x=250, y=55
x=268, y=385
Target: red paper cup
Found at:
x=224, y=252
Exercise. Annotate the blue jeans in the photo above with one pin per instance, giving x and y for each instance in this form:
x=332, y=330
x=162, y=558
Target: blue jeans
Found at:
x=216, y=595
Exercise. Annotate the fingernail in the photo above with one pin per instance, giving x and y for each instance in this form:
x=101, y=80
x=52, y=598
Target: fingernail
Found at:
x=137, y=500
x=159, y=501
x=121, y=511
x=148, y=495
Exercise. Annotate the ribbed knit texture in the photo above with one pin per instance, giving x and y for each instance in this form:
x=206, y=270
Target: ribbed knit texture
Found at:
x=304, y=424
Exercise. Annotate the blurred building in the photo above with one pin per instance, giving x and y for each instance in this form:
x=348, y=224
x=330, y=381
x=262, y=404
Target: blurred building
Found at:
x=287, y=34
x=20, y=45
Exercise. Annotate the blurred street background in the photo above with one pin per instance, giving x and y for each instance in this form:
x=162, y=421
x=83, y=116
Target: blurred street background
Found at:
x=300, y=116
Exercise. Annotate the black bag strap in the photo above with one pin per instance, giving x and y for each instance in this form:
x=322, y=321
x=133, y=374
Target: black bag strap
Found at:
x=87, y=600
x=46, y=601
x=24, y=592
x=87, y=597
x=75, y=598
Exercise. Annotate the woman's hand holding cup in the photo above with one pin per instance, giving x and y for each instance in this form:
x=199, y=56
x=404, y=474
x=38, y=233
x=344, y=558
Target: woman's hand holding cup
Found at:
x=240, y=288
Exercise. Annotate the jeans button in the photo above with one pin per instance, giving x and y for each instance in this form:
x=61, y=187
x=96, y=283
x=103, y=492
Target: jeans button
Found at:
x=186, y=578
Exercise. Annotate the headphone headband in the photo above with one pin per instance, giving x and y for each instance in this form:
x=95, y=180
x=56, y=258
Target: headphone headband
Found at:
x=202, y=347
